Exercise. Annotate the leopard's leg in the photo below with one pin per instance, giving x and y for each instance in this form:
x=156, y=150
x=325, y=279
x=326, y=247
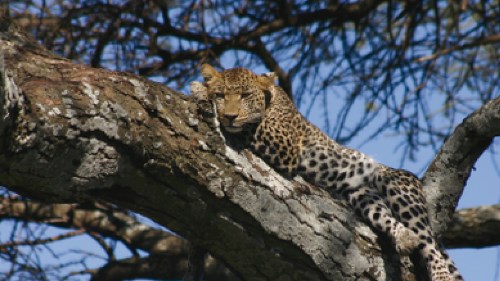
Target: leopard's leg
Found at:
x=404, y=194
x=451, y=266
x=373, y=208
x=348, y=174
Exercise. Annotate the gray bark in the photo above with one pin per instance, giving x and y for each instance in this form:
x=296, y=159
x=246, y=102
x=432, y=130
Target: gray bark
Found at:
x=71, y=133
x=447, y=175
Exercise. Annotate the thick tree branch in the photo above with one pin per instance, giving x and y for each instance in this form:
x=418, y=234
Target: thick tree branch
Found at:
x=447, y=175
x=70, y=133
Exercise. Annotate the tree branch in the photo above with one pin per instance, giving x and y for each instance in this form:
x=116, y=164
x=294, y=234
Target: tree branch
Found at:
x=42, y=241
x=338, y=14
x=474, y=228
x=112, y=223
x=196, y=260
x=154, y=267
x=488, y=40
x=71, y=133
x=447, y=175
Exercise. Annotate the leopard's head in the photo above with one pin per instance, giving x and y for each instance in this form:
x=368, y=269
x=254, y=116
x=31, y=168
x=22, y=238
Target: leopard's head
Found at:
x=241, y=96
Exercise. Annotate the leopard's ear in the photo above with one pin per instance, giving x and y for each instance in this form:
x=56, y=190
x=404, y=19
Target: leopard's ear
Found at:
x=209, y=73
x=267, y=79
x=266, y=82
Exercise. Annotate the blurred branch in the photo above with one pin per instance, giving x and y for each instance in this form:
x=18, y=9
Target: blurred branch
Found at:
x=487, y=40
x=69, y=234
x=156, y=266
x=474, y=228
x=100, y=218
x=168, y=253
x=337, y=14
x=196, y=261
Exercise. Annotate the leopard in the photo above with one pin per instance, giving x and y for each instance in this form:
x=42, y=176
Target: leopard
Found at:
x=262, y=115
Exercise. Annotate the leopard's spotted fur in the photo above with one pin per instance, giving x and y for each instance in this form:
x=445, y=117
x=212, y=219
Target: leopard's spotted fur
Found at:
x=391, y=200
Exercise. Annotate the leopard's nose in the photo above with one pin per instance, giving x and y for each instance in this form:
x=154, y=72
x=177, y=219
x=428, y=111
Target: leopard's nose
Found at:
x=231, y=117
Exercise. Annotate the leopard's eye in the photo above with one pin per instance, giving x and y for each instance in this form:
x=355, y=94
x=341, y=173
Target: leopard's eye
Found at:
x=219, y=95
x=245, y=95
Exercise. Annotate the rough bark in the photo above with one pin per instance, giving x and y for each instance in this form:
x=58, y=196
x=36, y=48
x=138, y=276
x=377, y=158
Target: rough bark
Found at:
x=70, y=133
x=447, y=175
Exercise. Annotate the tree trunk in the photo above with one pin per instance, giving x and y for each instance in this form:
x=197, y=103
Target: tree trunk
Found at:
x=71, y=133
